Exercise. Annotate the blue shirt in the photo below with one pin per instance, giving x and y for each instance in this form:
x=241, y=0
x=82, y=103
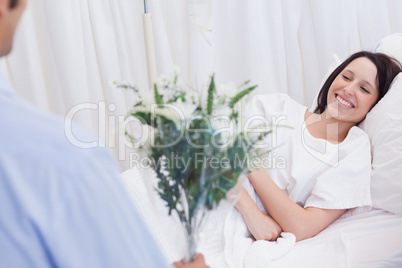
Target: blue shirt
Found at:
x=62, y=206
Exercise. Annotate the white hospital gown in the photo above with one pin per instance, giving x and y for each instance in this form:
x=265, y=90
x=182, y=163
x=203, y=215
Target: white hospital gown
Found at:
x=311, y=171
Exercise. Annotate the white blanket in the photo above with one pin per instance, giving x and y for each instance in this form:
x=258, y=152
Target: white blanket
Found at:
x=241, y=250
x=366, y=240
x=225, y=240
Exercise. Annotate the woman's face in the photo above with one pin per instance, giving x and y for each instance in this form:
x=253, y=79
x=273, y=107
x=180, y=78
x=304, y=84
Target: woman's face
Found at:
x=353, y=92
x=10, y=17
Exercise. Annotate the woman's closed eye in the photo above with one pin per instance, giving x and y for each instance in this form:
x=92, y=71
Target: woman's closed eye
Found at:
x=346, y=77
x=365, y=90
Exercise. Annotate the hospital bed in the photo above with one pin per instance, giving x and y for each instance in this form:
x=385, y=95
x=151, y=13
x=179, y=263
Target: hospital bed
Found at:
x=371, y=239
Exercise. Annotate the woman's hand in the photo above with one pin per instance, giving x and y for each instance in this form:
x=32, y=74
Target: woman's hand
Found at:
x=260, y=225
x=198, y=262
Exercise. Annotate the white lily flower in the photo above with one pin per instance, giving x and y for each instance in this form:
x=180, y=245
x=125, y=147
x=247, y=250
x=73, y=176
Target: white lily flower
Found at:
x=193, y=97
x=187, y=108
x=228, y=90
x=170, y=112
x=147, y=97
x=163, y=80
x=113, y=82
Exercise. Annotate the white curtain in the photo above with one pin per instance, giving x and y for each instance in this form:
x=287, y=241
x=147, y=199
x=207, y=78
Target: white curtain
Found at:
x=67, y=52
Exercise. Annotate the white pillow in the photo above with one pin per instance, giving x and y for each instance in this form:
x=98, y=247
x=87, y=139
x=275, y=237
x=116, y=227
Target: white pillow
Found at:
x=383, y=124
x=392, y=46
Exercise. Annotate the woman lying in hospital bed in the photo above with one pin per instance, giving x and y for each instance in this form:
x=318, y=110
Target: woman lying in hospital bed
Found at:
x=327, y=173
x=328, y=156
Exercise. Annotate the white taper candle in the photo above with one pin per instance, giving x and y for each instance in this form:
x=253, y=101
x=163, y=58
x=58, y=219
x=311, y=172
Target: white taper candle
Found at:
x=150, y=49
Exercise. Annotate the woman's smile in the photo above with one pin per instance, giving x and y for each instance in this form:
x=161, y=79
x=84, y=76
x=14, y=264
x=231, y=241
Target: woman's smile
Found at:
x=343, y=101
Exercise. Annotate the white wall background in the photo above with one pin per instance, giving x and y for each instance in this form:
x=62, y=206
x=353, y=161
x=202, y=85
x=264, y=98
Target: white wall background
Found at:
x=67, y=52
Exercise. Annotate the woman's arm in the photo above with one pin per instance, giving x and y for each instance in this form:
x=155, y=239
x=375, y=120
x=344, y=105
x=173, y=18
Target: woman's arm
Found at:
x=303, y=223
x=260, y=225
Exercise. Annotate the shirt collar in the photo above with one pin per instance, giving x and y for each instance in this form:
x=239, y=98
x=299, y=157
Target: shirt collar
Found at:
x=6, y=89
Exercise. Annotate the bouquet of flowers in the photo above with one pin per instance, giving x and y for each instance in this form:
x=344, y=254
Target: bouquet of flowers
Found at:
x=197, y=148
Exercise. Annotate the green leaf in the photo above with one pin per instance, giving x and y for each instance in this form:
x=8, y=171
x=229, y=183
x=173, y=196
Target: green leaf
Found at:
x=211, y=91
x=138, y=104
x=240, y=95
x=145, y=118
x=244, y=84
x=158, y=97
x=127, y=87
x=180, y=96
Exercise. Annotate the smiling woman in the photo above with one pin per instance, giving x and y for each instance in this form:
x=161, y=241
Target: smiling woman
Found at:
x=330, y=157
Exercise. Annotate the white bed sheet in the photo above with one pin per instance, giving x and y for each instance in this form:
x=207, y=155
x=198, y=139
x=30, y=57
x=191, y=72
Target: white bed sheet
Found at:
x=371, y=239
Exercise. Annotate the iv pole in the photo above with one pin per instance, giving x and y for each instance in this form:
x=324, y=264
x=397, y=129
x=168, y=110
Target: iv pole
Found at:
x=149, y=46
